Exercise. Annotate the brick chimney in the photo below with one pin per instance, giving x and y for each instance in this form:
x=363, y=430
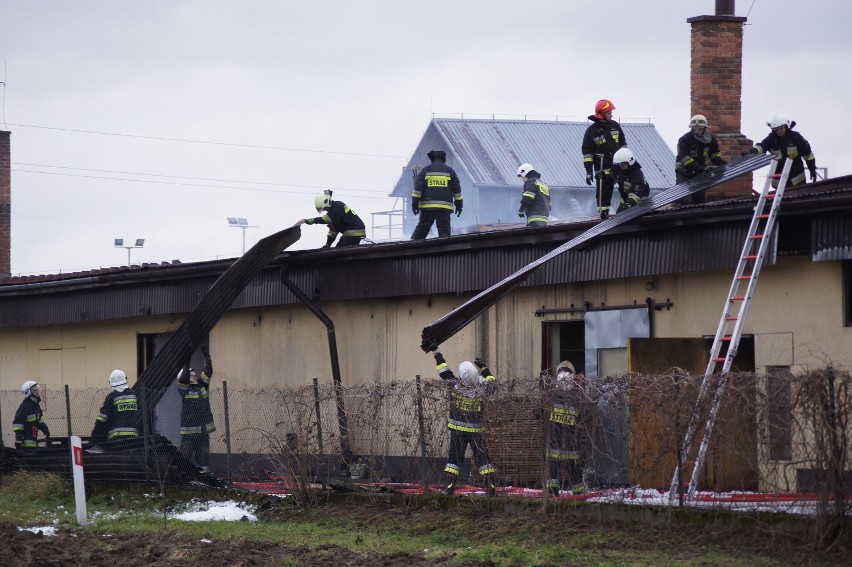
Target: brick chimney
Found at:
x=716, y=86
x=5, y=204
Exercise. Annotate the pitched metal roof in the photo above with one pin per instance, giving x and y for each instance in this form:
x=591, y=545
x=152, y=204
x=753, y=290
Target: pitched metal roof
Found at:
x=490, y=151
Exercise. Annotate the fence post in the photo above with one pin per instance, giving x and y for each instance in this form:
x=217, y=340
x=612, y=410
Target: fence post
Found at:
x=424, y=457
x=68, y=408
x=227, y=428
x=317, y=409
x=145, y=432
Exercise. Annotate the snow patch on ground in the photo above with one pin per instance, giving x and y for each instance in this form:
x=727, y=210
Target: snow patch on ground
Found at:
x=43, y=530
x=210, y=511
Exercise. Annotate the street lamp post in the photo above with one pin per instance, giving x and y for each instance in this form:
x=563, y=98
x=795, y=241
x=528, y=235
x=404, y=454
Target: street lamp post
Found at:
x=119, y=243
x=242, y=223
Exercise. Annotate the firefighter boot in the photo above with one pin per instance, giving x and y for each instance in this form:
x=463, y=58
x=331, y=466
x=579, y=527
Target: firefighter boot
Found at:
x=490, y=487
x=451, y=485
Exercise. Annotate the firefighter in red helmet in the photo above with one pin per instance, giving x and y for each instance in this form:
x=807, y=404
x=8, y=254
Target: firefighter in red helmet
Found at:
x=602, y=139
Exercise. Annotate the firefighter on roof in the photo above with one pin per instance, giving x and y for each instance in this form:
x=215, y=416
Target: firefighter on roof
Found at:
x=784, y=143
x=535, y=200
x=697, y=150
x=466, y=420
x=340, y=220
x=627, y=172
x=27, y=422
x=600, y=142
x=437, y=192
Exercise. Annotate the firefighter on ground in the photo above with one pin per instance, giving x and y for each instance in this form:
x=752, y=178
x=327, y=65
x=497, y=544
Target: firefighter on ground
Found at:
x=697, y=150
x=120, y=415
x=600, y=142
x=437, y=192
x=563, y=396
x=628, y=175
x=466, y=420
x=785, y=144
x=340, y=220
x=535, y=200
x=27, y=422
x=196, y=419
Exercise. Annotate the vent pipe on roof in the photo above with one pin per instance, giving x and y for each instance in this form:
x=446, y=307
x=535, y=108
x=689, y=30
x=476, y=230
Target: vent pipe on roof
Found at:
x=725, y=7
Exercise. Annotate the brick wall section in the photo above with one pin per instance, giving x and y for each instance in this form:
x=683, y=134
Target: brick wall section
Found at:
x=5, y=203
x=716, y=84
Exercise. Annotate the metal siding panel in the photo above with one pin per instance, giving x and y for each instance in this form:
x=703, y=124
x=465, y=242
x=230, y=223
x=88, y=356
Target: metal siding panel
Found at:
x=831, y=238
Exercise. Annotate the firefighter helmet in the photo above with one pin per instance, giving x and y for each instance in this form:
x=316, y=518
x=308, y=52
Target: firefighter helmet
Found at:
x=28, y=387
x=437, y=154
x=524, y=169
x=468, y=373
x=322, y=202
x=778, y=121
x=118, y=380
x=564, y=371
x=602, y=106
x=698, y=121
x=623, y=155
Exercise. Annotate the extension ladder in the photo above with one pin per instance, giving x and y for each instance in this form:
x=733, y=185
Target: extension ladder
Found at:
x=730, y=326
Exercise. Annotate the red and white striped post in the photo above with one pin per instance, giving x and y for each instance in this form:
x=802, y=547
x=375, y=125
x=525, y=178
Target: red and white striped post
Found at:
x=79, y=485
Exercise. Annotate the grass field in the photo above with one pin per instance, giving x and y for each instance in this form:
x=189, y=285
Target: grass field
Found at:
x=379, y=530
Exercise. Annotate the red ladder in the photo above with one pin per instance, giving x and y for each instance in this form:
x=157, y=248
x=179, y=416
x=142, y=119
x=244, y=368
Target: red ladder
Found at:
x=730, y=326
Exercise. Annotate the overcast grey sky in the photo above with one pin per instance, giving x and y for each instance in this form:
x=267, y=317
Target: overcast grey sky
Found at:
x=276, y=100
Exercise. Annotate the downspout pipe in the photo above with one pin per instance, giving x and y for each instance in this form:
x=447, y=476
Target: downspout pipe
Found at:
x=345, y=449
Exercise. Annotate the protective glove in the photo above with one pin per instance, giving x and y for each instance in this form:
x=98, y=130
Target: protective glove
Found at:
x=813, y=175
x=479, y=363
x=415, y=208
x=604, y=215
x=752, y=150
x=458, y=208
x=521, y=214
x=588, y=178
x=439, y=358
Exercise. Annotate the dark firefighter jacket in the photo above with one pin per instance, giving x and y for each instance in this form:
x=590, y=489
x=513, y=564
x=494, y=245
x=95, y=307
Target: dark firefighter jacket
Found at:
x=437, y=188
x=466, y=403
x=794, y=146
x=196, y=419
x=631, y=184
x=535, y=200
x=564, y=418
x=340, y=219
x=694, y=154
x=601, y=137
x=27, y=424
x=119, y=417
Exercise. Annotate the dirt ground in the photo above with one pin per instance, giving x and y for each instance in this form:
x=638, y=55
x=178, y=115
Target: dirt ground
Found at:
x=18, y=548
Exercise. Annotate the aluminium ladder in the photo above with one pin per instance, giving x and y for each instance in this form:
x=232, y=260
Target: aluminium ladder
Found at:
x=730, y=326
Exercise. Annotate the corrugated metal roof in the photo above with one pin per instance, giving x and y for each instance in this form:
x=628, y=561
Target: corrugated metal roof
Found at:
x=690, y=239
x=490, y=151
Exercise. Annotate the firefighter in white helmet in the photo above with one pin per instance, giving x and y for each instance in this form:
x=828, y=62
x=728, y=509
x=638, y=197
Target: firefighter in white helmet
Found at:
x=785, y=143
x=697, y=150
x=631, y=182
x=120, y=416
x=562, y=397
x=340, y=219
x=466, y=423
x=535, y=200
x=27, y=422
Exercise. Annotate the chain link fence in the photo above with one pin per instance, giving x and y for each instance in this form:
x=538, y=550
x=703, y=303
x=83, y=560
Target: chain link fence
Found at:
x=777, y=433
